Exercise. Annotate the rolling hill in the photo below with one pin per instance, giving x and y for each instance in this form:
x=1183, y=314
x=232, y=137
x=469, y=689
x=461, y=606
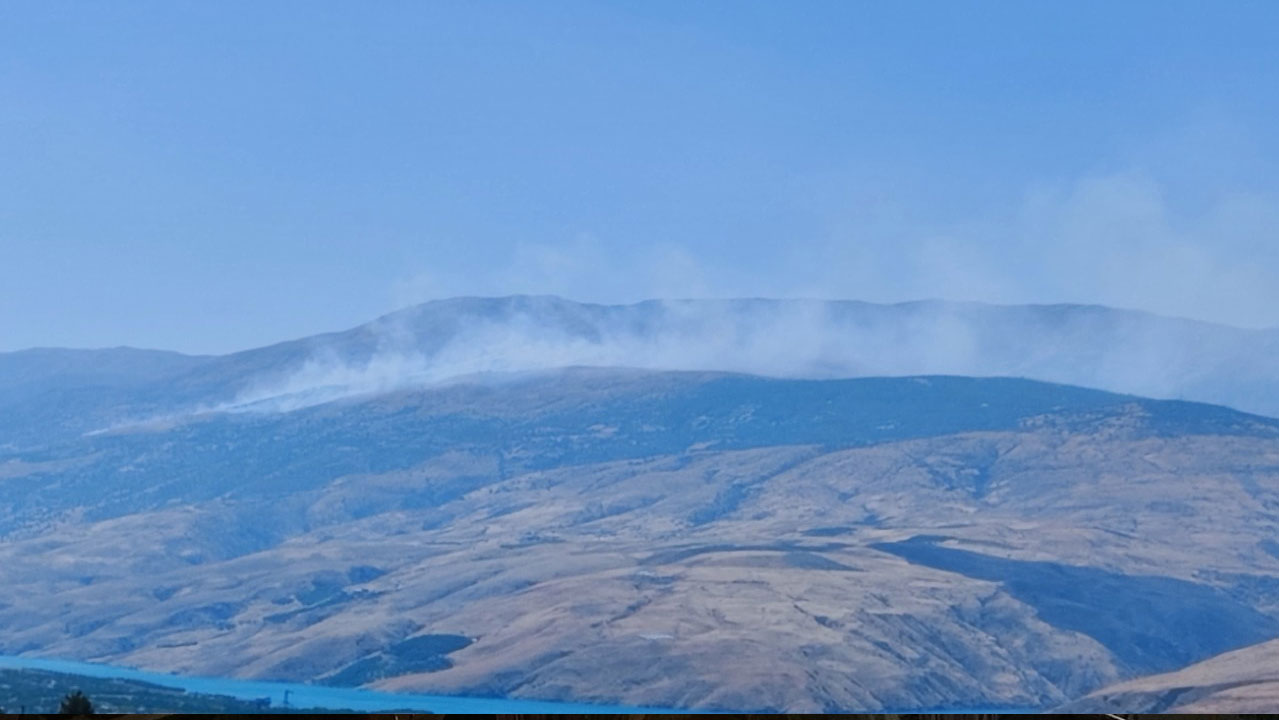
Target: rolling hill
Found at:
x=1242, y=681
x=389, y=508
x=57, y=393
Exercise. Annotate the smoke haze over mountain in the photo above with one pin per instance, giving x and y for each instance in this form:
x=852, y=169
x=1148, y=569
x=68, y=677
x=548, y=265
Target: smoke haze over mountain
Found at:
x=1090, y=346
x=905, y=356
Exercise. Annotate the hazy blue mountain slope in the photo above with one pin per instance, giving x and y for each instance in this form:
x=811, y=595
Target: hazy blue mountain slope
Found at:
x=29, y=371
x=546, y=420
x=51, y=394
x=54, y=393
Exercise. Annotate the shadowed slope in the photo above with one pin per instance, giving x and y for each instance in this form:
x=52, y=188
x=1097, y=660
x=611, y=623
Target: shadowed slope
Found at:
x=1150, y=623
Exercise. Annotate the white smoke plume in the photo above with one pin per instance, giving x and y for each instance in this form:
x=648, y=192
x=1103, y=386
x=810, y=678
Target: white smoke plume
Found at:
x=1083, y=345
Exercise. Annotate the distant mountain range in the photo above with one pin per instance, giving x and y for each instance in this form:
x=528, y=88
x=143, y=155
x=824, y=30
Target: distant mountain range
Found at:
x=669, y=504
x=57, y=393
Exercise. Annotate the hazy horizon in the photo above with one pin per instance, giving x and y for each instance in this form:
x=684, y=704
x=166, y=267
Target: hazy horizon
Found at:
x=654, y=300
x=208, y=179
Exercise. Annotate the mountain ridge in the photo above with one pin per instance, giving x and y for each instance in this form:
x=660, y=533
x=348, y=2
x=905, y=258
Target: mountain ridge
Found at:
x=1088, y=346
x=522, y=297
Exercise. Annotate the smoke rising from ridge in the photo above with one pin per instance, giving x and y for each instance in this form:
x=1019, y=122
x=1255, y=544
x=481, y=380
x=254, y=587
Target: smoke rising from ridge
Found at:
x=1082, y=345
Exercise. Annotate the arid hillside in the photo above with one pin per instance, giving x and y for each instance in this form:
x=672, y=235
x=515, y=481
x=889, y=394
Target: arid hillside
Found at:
x=659, y=539
x=1241, y=681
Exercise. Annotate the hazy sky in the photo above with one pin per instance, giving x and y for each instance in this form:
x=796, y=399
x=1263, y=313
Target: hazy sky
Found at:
x=212, y=176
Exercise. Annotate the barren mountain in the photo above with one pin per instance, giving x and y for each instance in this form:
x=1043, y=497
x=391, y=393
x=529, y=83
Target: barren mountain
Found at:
x=48, y=394
x=699, y=540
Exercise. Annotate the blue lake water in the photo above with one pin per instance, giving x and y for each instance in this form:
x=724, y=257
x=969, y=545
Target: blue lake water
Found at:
x=318, y=696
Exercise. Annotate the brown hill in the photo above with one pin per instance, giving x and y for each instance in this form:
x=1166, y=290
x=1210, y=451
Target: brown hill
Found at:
x=660, y=540
x=1241, y=681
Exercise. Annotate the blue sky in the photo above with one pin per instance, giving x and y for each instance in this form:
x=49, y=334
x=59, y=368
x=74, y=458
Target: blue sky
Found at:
x=213, y=176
